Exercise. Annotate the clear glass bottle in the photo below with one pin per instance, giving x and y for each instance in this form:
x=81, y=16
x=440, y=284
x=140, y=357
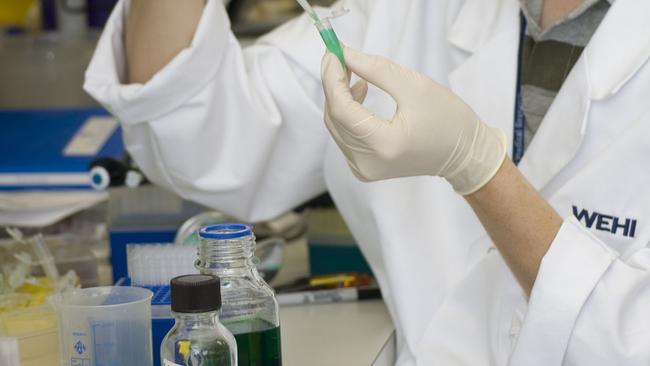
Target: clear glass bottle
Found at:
x=197, y=338
x=250, y=310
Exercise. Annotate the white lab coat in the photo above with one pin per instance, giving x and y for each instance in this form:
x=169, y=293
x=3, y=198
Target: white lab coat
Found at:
x=242, y=131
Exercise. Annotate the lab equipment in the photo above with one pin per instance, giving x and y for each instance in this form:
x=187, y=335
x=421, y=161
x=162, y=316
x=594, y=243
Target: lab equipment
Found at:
x=45, y=258
x=157, y=264
x=42, y=252
x=270, y=250
x=35, y=331
x=144, y=215
x=188, y=233
x=59, y=160
x=23, y=316
x=104, y=326
x=43, y=177
x=325, y=29
x=105, y=172
x=17, y=273
x=328, y=296
x=250, y=310
x=29, y=268
x=329, y=281
x=151, y=264
x=197, y=338
x=331, y=40
x=161, y=316
x=149, y=269
x=418, y=227
x=77, y=256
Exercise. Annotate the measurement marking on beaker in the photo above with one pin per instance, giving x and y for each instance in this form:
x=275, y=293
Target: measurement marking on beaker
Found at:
x=80, y=362
x=80, y=347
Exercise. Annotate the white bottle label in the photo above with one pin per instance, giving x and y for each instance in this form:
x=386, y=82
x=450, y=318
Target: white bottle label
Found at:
x=169, y=363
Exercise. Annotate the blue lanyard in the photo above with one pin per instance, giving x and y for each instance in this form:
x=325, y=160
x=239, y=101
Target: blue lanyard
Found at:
x=518, y=138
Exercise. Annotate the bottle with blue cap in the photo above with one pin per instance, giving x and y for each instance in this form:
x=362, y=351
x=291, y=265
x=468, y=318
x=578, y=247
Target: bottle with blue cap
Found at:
x=249, y=308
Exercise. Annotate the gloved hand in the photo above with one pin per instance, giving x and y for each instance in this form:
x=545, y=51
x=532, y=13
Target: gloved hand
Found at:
x=433, y=132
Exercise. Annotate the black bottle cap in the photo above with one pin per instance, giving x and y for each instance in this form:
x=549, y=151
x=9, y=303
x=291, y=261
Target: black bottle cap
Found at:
x=195, y=293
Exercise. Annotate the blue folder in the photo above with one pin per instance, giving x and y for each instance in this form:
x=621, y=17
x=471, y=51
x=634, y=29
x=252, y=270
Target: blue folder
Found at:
x=33, y=143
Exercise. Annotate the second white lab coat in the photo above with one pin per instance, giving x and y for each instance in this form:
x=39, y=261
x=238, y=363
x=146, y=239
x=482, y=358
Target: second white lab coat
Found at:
x=242, y=131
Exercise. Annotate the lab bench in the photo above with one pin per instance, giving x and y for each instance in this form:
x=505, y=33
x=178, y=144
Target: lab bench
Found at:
x=345, y=333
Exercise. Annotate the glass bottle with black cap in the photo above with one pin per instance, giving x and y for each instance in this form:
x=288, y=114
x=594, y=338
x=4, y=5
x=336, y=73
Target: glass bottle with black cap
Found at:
x=197, y=338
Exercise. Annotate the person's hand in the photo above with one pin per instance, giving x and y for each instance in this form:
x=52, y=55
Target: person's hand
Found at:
x=433, y=132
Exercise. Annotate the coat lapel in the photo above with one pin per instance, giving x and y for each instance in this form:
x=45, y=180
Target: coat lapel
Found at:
x=618, y=49
x=488, y=32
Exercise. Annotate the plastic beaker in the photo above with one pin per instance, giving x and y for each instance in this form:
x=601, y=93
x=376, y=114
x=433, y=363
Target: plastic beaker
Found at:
x=104, y=326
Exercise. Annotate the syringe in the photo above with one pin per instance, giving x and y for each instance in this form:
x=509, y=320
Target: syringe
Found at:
x=326, y=31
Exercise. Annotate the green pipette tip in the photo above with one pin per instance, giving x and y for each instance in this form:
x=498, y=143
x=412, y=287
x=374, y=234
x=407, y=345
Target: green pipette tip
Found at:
x=325, y=29
x=331, y=40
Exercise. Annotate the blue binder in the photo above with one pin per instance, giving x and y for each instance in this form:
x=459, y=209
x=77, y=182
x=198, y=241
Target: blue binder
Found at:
x=52, y=149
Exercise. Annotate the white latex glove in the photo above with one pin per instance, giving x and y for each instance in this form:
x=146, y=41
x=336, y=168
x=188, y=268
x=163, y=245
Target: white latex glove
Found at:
x=433, y=132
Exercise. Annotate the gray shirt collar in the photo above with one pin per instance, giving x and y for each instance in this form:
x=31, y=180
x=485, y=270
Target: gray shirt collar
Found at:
x=532, y=9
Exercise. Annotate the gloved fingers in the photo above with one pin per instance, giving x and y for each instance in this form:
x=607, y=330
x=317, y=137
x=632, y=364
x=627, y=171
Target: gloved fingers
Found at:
x=343, y=109
x=359, y=91
x=332, y=74
x=377, y=70
x=331, y=127
x=350, y=152
x=346, y=141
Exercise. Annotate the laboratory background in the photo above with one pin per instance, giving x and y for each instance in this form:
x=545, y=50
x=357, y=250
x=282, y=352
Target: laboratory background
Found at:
x=88, y=246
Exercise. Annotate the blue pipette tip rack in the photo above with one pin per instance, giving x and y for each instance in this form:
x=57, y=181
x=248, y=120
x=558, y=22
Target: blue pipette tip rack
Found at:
x=161, y=295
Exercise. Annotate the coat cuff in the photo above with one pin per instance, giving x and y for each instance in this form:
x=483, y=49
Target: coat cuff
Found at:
x=183, y=77
x=569, y=271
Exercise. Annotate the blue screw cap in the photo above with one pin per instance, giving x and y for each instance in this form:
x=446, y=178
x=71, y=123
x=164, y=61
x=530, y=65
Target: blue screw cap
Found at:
x=226, y=231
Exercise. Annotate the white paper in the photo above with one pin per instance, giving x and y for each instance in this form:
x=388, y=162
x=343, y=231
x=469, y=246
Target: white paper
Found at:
x=37, y=209
x=91, y=137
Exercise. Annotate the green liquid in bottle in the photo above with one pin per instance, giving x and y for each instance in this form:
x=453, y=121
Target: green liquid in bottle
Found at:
x=258, y=342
